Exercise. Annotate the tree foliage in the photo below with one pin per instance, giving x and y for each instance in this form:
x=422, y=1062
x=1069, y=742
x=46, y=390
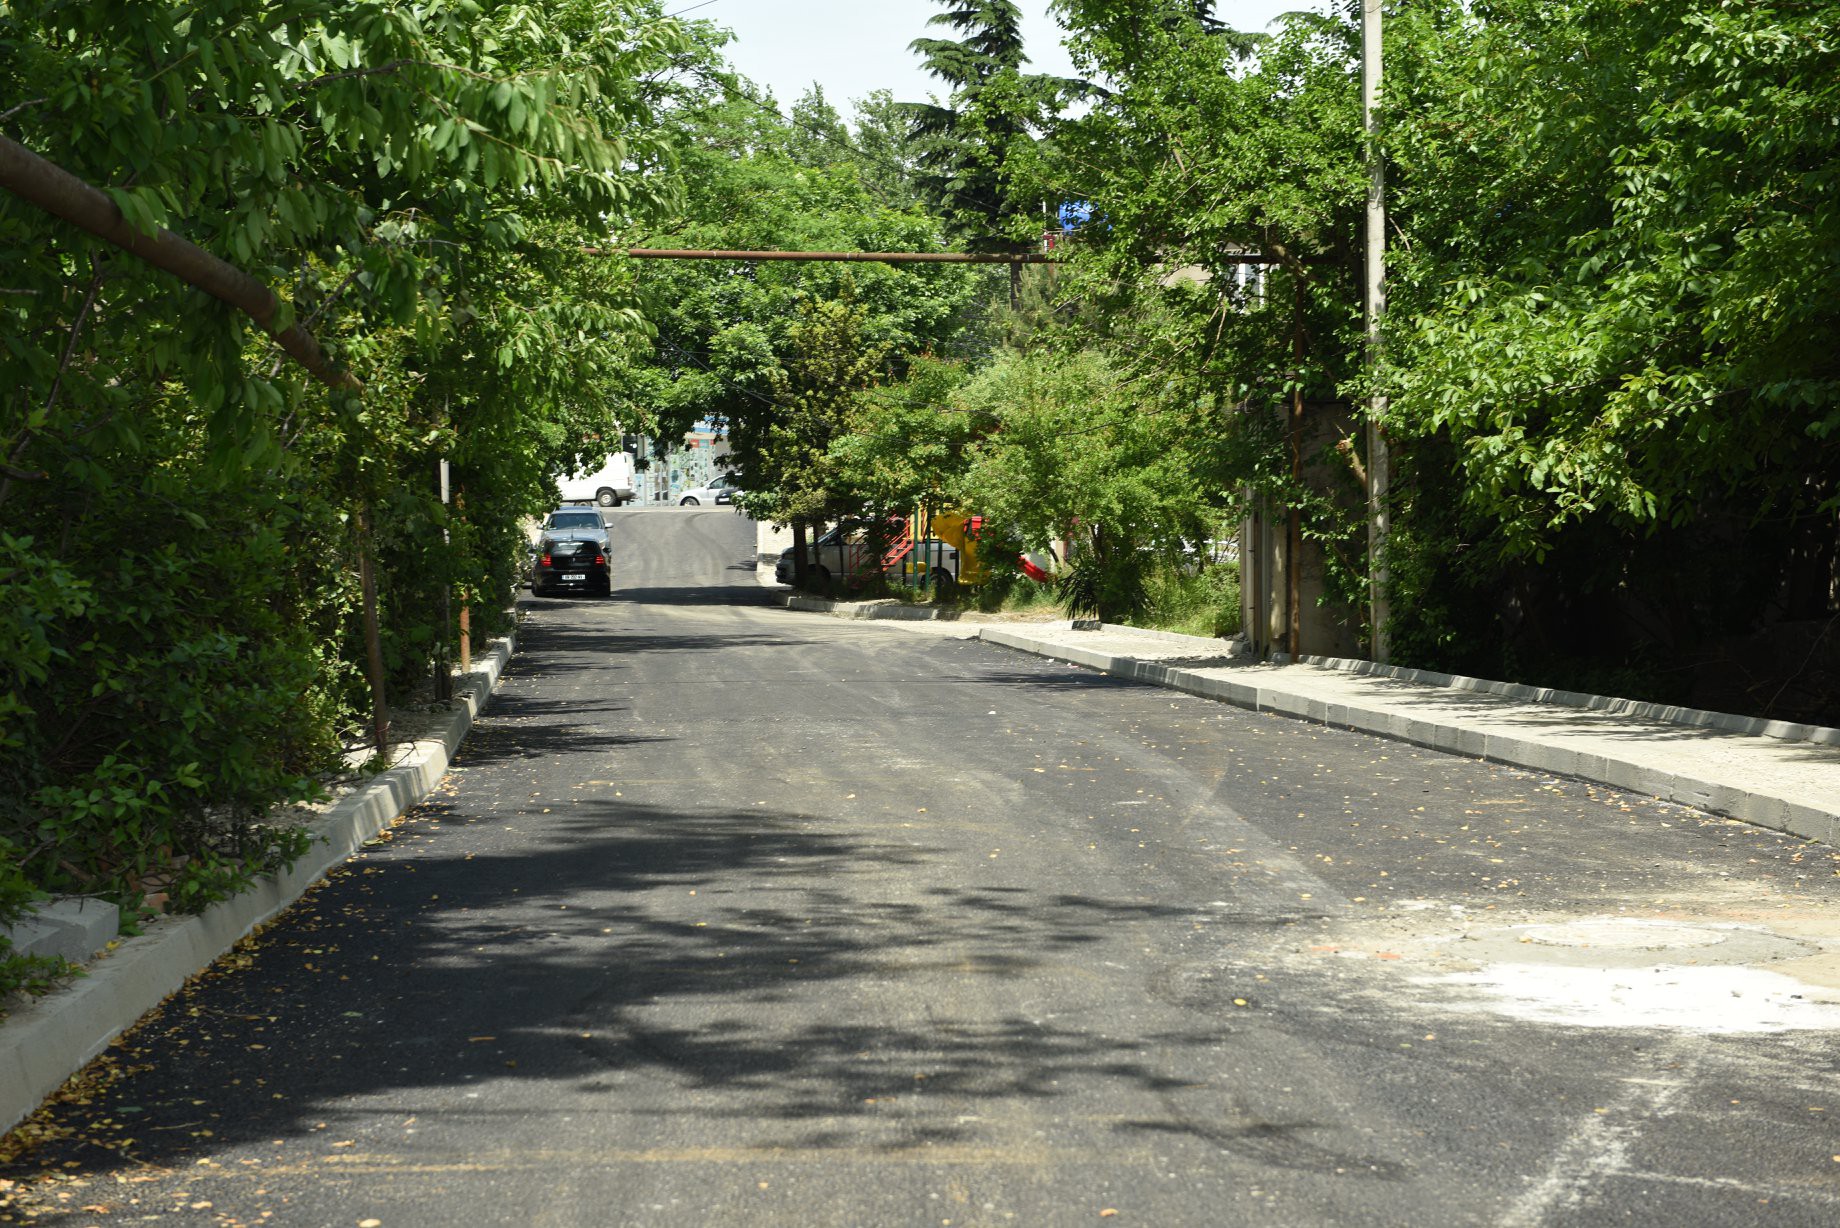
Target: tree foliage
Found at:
x=734, y=341
x=1612, y=310
x=180, y=506
x=1198, y=158
x=969, y=145
x=1615, y=348
x=1611, y=346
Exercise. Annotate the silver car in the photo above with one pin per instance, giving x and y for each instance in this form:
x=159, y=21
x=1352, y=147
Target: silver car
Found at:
x=722, y=490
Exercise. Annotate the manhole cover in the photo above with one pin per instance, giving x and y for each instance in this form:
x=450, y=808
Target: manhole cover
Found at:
x=1625, y=934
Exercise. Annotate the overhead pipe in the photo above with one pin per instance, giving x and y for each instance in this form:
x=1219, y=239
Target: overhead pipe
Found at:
x=1011, y=258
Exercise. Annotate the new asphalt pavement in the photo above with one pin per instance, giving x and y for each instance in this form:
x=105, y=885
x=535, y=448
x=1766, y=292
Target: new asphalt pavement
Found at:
x=733, y=915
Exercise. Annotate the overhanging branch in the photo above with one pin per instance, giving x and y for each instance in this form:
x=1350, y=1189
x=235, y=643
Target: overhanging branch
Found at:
x=55, y=190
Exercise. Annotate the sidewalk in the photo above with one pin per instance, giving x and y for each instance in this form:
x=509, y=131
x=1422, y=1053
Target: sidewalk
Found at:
x=1773, y=774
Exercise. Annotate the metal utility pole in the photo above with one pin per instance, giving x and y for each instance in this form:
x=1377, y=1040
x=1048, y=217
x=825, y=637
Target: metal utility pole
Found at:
x=443, y=676
x=1378, y=464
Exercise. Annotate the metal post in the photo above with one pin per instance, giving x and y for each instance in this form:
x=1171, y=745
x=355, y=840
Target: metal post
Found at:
x=1378, y=462
x=466, y=609
x=1293, y=538
x=373, y=634
x=443, y=673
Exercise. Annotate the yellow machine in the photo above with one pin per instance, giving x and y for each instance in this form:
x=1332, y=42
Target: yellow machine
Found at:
x=963, y=531
x=939, y=541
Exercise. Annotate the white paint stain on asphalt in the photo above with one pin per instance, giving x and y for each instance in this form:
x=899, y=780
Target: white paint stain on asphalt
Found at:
x=1709, y=1000
x=1626, y=972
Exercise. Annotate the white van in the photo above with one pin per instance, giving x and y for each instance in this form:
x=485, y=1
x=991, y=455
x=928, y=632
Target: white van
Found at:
x=610, y=485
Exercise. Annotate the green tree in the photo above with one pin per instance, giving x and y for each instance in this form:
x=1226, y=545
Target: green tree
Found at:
x=1623, y=285
x=828, y=360
x=1218, y=273
x=181, y=507
x=1613, y=358
x=967, y=144
x=910, y=441
x=1065, y=455
x=731, y=340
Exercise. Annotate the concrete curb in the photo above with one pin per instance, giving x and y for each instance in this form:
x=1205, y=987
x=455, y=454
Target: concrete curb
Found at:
x=45, y=1042
x=1213, y=646
x=888, y=610
x=1696, y=718
x=1785, y=813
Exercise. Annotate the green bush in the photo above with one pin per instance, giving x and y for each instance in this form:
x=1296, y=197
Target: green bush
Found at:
x=1202, y=600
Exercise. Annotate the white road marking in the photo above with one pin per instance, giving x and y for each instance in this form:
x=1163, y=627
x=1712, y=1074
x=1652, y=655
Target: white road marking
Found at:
x=1599, y=1148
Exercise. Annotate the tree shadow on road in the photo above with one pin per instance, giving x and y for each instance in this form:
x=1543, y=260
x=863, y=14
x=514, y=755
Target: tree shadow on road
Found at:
x=572, y=949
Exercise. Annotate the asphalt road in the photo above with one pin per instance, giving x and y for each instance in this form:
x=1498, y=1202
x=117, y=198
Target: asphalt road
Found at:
x=735, y=916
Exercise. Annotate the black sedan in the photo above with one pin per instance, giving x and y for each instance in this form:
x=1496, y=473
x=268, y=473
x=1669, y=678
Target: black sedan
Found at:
x=572, y=559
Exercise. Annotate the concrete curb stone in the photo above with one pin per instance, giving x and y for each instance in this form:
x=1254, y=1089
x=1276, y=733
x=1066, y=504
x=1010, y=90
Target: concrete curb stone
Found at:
x=1788, y=731
x=887, y=610
x=45, y=1042
x=74, y=928
x=1811, y=815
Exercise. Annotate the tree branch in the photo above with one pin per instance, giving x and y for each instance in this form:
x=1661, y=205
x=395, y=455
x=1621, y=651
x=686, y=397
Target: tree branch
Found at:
x=378, y=70
x=63, y=195
x=12, y=111
x=23, y=475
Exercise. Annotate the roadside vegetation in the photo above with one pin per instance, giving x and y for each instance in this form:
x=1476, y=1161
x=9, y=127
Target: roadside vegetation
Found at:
x=1610, y=370
x=1612, y=397
x=183, y=511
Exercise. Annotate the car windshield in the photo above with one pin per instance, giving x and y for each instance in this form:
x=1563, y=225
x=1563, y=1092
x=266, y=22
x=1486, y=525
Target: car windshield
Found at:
x=574, y=520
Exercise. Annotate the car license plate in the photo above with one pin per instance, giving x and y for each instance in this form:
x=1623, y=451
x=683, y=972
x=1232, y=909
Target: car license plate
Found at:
x=575, y=575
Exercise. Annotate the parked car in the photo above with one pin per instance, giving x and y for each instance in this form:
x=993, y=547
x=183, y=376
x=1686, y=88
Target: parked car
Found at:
x=722, y=490
x=572, y=554
x=610, y=485
x=570, y=518
x=844, y=552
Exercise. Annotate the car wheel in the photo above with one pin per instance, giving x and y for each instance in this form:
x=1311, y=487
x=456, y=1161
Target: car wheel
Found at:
x=945, y=585
x=606, y=498
x=688, y=501
x=821, y=577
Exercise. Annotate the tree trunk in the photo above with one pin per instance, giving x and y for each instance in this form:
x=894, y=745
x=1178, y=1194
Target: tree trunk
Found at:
x=466, y=610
